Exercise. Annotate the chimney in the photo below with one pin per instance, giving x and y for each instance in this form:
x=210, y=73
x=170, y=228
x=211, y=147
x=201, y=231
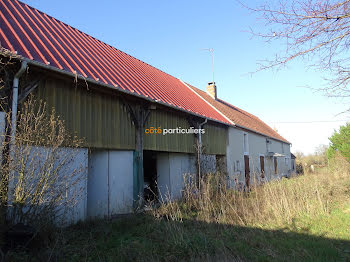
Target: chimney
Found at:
x=211, y=90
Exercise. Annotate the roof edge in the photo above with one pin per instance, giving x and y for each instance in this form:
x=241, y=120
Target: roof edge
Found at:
x=230, y=105
x=217, y=110
x=262, y=134
x=116, y=88
x=234, y=124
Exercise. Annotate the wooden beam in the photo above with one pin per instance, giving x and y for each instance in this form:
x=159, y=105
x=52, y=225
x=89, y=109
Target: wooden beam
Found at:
x=28, y=89
x=139, y=114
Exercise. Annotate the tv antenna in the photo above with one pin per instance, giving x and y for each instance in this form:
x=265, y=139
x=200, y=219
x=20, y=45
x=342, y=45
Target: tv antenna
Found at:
x=211, y=50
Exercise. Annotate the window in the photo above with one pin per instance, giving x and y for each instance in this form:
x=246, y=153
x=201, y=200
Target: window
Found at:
x=238, y=166
x=282, y=147
x=245, y=144
x=268, y=142
x=275, y=164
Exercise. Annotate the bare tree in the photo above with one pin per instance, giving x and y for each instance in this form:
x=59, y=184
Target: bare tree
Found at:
x=7, y=70
x=42, y=181
x=321, y=150
x=299, y=154
x=317, y=31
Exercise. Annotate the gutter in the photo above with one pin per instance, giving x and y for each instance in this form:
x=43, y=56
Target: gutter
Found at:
x=66, y=73
x=256, y=132
x=116, y=88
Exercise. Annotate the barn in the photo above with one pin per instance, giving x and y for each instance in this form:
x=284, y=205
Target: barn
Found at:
x=142, y=128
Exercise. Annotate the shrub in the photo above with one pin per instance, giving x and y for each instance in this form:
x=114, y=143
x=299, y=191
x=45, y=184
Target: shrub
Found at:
x=340, y=142
x=299, y=168
x=37, y=168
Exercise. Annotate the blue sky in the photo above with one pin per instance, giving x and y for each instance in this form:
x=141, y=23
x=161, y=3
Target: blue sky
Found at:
x=170, y=35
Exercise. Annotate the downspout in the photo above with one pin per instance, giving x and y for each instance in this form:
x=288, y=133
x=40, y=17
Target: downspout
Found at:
x=14, y=124
x=15, y=102
x=200, y=151
x=200, y=134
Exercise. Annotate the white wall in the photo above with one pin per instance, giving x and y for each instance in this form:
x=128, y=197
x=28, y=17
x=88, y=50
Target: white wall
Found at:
x=256, y=147
x=78, y=210
x=235, y=156
x=172, y=169
x=67, y=179
x=97, y=197
x=110, y=183
x=121, y=181
x=283, y=163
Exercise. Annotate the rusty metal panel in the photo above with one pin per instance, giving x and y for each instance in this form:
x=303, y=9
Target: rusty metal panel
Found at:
x=101, y=120
x=169, y=142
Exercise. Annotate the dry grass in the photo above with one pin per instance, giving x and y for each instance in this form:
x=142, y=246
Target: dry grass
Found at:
x=277, y=202
x=296, y=219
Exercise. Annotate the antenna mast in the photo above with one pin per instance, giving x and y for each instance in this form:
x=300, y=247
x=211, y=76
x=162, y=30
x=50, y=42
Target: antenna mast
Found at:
x=211, y=50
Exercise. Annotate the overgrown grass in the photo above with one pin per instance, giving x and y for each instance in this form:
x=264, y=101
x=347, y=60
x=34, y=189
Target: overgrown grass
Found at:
x=276, y=203
x=305, y=218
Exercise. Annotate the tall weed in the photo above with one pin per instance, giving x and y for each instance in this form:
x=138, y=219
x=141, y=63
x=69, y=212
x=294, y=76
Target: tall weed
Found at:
x=278, y=202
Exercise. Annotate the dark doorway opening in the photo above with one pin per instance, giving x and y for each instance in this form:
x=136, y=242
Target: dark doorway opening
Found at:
x=150, y=175
x=247, y=171
x=275, y=165
x=262, y=166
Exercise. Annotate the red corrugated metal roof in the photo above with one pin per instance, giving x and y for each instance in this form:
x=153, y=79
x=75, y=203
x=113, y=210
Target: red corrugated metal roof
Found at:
x=239, y=117
x=39, y=37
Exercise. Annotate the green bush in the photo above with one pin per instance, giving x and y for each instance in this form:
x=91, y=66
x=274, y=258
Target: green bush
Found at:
x=340, y=142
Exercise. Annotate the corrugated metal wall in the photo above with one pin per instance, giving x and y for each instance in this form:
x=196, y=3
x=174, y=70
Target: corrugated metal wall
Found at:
x=170, y=142
x=100, y=119
x=215, y=139
x=104, y=122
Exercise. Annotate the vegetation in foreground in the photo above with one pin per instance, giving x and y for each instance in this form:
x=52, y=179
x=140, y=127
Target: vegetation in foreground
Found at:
x=306, y=218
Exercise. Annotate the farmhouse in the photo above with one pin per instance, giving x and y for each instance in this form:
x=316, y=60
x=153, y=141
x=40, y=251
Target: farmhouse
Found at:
x=255, y=152
x=141, y=126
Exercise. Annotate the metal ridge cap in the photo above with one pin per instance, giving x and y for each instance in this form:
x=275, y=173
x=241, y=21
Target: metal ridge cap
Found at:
x=217, y=110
